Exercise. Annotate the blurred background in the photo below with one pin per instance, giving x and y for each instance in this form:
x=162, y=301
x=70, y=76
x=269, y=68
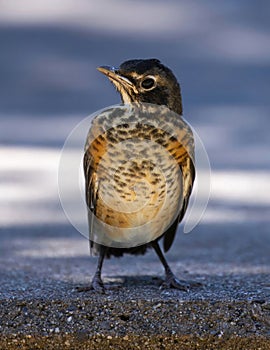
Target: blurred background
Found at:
x=49, y=52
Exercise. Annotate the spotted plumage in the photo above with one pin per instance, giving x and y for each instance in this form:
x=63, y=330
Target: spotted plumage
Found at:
x=164, y=173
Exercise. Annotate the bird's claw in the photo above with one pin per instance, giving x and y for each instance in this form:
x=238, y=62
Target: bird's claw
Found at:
x=96, y=286
x=172, y=282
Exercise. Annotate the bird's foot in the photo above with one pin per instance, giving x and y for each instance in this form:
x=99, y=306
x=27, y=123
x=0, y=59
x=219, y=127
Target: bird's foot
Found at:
x=173, y=282
x=96, y=285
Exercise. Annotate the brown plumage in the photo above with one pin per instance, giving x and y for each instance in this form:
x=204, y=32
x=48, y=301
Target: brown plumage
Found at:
x=140, y=81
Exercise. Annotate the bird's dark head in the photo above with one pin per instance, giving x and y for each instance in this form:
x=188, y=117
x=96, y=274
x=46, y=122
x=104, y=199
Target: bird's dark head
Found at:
x=146, y=81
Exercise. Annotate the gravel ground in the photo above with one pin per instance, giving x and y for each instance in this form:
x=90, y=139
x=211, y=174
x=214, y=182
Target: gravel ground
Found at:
x=41, y=308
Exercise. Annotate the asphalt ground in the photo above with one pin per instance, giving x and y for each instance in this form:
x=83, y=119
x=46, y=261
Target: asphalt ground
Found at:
x=41, y=267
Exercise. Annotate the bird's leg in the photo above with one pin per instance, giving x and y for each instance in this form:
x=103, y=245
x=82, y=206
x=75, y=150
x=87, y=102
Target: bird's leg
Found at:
x=97, y=283
x=170, y=280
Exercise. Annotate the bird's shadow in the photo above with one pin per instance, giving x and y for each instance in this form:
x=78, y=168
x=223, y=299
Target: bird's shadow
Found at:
x=127, y=282
x=130, y=281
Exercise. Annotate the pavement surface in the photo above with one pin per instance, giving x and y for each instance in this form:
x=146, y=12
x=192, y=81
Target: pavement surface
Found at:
x=40, y=306
x=220, y=53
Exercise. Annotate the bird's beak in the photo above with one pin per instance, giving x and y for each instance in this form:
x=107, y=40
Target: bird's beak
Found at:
x=113, y=74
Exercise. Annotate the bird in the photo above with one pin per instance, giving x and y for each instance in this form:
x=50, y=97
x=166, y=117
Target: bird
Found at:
x=151, y=83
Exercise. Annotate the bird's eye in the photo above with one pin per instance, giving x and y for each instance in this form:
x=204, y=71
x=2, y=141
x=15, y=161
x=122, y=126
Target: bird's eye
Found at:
x=148, y=83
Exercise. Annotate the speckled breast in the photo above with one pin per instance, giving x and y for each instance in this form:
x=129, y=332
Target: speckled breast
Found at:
x=137, y=183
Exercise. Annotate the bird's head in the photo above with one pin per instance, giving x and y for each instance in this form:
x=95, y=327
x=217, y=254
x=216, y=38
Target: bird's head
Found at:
x=146, y=81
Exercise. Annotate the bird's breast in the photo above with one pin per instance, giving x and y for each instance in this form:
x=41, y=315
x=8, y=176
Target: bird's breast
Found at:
x=137, y=167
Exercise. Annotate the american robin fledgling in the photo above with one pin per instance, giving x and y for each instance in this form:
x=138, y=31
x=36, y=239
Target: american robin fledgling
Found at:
x=141, y=81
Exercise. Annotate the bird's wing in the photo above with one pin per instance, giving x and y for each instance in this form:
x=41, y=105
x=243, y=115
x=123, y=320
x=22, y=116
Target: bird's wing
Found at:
x=88, y=173
x=188, y=172
x=90, y=189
